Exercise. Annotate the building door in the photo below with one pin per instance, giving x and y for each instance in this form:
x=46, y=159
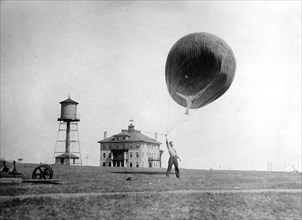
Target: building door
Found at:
x=62, y=160
x=150, y=164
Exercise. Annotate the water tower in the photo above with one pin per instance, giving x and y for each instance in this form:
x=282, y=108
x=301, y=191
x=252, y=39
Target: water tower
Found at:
x=67, y=149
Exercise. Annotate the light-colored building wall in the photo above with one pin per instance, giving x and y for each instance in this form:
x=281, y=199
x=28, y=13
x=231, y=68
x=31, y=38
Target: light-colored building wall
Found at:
x=144, y=153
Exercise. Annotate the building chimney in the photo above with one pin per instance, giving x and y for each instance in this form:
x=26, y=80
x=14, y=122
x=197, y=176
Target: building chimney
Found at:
x=105, y=134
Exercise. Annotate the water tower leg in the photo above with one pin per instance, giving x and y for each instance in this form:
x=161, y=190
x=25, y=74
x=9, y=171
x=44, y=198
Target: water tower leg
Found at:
x=67, y=145
x=80, y=155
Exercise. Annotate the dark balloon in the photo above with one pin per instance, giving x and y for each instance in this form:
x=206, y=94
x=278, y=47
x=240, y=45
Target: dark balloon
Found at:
x=200, y=68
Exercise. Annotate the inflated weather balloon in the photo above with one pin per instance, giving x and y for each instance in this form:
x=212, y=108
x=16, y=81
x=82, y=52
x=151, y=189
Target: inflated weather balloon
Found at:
x=200, y=68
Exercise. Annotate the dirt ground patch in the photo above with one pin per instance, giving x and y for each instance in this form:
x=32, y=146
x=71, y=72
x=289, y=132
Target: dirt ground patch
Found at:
x=75, y=195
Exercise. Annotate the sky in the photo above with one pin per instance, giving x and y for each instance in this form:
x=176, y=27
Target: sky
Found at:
x=110, y=57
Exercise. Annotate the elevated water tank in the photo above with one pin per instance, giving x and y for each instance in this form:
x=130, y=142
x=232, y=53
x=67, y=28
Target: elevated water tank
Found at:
x=68, y=109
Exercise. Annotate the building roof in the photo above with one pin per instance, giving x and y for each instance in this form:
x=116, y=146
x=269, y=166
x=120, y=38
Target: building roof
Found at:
x=69, y=100
x=122, y=134
x=133, y=136
x=67, y=155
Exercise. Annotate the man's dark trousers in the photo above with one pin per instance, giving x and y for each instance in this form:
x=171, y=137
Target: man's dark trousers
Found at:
x=173, y=160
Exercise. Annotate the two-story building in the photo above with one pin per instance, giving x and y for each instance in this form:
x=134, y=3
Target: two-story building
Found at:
x=130, y=148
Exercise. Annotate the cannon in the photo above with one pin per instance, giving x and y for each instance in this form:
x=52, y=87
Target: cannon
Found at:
x=6, y=172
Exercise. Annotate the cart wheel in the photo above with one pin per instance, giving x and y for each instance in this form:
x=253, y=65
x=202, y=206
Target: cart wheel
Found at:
x=42, y=172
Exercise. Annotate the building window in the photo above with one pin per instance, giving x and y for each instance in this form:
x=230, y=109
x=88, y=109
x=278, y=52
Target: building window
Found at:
x=130, y=164
x=109, y=164
x=109, y=155
x=104, y=164
x=104, y=155
x=137, y=164
x=137, y=154
x=130, y=154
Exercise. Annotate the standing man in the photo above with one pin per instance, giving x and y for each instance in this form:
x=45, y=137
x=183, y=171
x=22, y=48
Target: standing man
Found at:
x=172, y=159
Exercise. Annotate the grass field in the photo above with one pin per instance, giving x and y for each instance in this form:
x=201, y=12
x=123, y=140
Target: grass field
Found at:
x=105, y=193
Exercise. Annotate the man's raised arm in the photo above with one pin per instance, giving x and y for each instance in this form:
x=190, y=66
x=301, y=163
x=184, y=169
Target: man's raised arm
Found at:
x=167, y=142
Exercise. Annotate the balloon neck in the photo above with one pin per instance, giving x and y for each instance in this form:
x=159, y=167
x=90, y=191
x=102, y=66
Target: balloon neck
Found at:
x=189, y=101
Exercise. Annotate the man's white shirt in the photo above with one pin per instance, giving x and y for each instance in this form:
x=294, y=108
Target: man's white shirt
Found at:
x=172, y=152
